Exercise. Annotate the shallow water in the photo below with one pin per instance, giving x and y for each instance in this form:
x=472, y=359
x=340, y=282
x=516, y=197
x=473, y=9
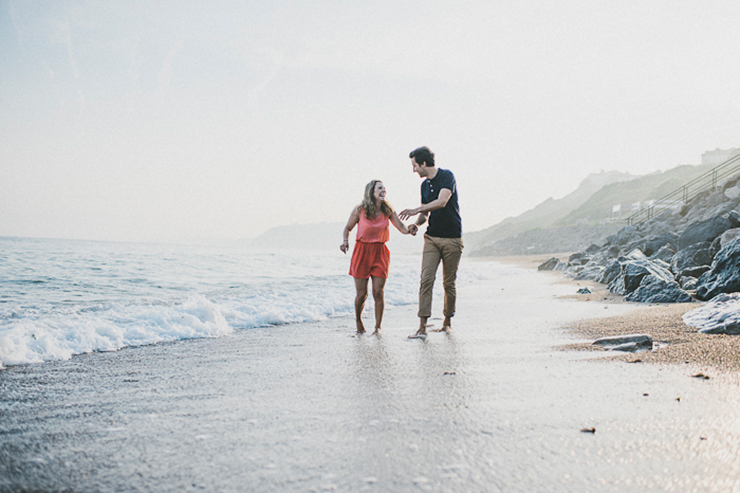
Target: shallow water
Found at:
x=309, y=407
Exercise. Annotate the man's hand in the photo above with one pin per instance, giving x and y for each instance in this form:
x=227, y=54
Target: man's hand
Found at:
x=413, y=228
x=407, y=213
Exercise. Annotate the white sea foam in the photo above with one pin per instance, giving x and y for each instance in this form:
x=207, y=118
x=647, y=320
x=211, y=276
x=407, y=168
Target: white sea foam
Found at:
x=67, y=298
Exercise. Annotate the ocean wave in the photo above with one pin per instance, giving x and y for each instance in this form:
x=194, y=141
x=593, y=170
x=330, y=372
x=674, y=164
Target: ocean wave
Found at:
x=48, y=333
x=60, y=336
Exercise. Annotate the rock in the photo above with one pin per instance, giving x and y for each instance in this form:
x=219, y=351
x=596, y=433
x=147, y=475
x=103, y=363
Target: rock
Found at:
x=580, y=258
x=687, y=283
x=728, y=236
x=634, y=270
x=627, y=342
x=724, y=276
x=611, y=272
x=583, y=291
x=732, y=193
x=721, y=315
x=656, y=242
x=623, y=236
x=706, y=230
x=734, y=218
x=691, y=256
x=590, y=273
x=593, y=248
x=694, y=271
x=653, y=289
x=617, y=285
x=549, y=264
x=665, y=253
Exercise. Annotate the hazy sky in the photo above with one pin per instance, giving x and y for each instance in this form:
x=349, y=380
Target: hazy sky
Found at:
x=156, y=120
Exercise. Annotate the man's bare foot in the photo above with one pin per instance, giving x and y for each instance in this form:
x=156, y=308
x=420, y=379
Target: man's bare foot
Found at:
x=420, y=334
x=446, y=325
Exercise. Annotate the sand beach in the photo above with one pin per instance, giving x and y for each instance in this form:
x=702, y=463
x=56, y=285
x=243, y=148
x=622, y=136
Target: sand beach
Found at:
x=500, y=404
x=678, y=343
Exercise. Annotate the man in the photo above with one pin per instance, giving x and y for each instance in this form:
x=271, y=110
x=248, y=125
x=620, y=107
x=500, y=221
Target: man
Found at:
x=443, y=239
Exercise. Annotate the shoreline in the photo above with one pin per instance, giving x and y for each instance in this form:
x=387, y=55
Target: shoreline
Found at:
x=677, y=344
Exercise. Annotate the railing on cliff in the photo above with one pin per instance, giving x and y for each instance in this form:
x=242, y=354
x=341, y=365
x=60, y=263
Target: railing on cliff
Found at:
x=708, y=180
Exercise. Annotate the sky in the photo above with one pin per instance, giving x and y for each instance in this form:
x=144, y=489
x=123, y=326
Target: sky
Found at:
x=180, y=120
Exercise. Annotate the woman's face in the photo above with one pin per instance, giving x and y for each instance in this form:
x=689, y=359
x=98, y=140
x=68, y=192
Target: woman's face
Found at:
x=379, y=192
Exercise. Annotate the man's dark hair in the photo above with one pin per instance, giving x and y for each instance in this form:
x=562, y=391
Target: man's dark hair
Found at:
x=423, y=155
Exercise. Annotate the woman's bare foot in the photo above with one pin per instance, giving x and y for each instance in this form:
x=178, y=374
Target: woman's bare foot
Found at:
x=376, y=332
x=360, y=327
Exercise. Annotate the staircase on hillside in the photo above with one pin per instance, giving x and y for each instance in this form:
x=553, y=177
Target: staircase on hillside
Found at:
x=707, y=181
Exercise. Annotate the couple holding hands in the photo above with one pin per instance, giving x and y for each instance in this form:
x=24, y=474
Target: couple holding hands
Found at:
x=442, y=241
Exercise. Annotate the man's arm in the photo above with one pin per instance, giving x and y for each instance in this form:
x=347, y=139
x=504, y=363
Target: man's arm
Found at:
x=439, y=203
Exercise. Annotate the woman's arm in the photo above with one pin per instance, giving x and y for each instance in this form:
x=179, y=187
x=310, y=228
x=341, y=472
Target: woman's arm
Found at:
x=354, y=218
x=400, y=226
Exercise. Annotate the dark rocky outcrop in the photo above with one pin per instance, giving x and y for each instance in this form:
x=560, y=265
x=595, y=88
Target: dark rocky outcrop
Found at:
x=724, y=275
x=653, y=289
x=691, y=257
x=692, y=249
x=701, y=231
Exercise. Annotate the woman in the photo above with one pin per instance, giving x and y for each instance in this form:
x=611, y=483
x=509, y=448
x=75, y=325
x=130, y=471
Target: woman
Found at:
x=371, y=257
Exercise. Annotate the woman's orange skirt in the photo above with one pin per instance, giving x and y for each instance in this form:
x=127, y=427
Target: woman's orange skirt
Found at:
x=369, y=259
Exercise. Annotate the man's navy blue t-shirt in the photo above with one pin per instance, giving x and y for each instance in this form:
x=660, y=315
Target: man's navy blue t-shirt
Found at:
x=445, y=222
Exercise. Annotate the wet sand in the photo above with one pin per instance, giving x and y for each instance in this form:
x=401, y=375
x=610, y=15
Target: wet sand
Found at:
x=493, y=406
x=677, y=343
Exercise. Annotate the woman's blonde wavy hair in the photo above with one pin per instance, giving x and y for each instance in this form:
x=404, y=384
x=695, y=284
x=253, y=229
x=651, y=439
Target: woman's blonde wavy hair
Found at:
x=368, y=202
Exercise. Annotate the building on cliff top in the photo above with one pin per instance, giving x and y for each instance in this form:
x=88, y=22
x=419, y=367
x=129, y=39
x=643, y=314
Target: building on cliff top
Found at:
x=719, y=156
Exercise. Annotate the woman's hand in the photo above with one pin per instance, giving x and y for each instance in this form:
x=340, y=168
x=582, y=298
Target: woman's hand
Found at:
x=344, y=246
x=413, y=228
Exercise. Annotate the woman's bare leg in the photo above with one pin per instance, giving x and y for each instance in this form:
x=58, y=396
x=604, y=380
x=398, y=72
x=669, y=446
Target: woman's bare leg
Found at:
x=379, y=297
x=361, y=288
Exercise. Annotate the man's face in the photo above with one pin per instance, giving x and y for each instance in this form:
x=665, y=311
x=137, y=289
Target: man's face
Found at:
x=420, y=170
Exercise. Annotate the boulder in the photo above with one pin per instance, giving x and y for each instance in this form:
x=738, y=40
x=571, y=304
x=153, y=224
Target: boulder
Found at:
x=634, y=270
x=580, y=258
x=623, y=236
x=549, y=264
x=687, y=283
x=627, y=342
x=656, y=242
x=694, y=271
x=583, y=291
x=734, y=217
x=691, y=256
x=719, y=316
x=590, y=273
x=724, y=276
x=728, y=236
x=617, y=285
x=653, y=289
x=665, y=253
x=612, y=270
x=706, y=230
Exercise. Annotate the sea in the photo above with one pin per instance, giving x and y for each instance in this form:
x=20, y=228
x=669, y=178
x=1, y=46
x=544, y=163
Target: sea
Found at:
x=59, y=298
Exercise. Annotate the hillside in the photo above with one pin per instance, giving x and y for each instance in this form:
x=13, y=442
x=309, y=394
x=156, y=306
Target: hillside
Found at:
x=648, y=187
x=548, y=212
x=591, y=204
